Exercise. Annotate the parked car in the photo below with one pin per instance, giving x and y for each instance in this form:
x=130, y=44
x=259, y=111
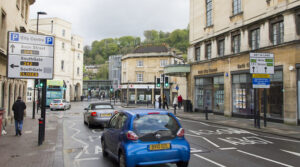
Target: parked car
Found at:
x=145, y=137
x=98, y=114
x=59, y=104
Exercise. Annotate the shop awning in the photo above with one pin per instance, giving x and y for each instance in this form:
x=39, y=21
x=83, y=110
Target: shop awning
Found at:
x=177, y=70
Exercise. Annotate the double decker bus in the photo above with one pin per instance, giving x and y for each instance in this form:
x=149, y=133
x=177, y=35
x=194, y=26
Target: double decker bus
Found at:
x=55, y=90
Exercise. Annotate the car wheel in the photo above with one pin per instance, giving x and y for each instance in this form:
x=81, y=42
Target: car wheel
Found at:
x=122, y=160
x=182, y=164
x=104, y=153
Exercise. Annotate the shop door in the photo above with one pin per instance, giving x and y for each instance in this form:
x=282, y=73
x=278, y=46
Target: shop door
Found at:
x=208, y=99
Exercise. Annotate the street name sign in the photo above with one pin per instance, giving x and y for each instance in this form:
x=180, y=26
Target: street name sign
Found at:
x=261, y=80
x=30, y=56
x=262, y=63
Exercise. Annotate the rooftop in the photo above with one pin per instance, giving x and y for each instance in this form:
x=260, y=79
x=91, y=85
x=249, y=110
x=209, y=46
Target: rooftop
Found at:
x=151, y=49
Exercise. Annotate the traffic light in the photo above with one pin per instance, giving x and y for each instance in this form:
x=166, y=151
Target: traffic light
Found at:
x=41, y=84
x=36, y=83
x=166, y=81
x=157, y=82
x=111, y=89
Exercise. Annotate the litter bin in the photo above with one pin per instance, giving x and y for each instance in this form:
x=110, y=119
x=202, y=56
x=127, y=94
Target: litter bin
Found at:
x=1, y=117
x=81, y=97
x=187, y=106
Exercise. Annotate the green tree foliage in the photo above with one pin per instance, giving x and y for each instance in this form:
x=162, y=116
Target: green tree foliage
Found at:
x=102, y=74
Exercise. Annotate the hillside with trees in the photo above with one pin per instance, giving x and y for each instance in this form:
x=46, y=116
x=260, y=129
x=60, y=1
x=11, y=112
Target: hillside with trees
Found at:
x=99, y=52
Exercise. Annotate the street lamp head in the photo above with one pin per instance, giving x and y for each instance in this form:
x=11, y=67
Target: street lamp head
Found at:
x=41, y=13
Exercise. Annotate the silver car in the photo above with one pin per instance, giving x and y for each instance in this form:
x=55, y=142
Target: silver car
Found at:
x=59, y=104
x=98, y=114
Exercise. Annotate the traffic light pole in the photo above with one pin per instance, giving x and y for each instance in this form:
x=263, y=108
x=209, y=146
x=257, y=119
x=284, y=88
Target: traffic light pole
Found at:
x=42, y=120
x=154, y=91
x=33, y=101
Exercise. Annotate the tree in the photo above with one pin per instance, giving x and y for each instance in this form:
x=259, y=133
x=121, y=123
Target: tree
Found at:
x=102, y=74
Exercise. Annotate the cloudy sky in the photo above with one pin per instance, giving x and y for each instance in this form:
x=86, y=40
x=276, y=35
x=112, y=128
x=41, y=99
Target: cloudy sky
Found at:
x=98, y=19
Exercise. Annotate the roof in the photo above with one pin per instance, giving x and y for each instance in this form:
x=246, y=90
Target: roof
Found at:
x=151, y=49
x=145, y=111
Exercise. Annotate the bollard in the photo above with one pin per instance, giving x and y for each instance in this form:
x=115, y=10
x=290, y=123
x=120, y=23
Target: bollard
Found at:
x=174, y=109
x=206, y=113
x=40, y=137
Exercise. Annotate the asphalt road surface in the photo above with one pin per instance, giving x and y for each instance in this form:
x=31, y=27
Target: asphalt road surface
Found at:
x=211, y=145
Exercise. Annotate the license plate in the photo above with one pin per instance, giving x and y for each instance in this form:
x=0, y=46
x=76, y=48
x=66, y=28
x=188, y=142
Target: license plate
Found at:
x=165, y=146
x=105, y=115
x=55, y=104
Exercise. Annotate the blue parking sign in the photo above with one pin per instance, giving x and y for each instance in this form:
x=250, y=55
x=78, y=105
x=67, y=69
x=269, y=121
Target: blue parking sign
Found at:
x=14, y=36
x=49, y=40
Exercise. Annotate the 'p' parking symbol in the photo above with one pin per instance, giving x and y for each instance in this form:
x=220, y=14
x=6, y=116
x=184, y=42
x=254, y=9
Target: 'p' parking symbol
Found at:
x=49, y=40
x=14, y=37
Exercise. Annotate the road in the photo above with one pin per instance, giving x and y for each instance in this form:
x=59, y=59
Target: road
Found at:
x=211, y=145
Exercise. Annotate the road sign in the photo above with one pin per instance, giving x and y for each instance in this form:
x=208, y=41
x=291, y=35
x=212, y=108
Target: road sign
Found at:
x=177, y=87
x=262, y=63
x=261, y=82
x=30, y=56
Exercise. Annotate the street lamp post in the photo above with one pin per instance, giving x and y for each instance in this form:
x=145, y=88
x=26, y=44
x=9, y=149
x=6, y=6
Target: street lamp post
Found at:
x=36, y=81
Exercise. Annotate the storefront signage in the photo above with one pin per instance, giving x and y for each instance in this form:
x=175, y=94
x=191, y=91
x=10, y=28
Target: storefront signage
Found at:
x=239, y=66
x=261, y=82
x=262, y=63
x=133, y=86
x=30, y=56
x=208, y=71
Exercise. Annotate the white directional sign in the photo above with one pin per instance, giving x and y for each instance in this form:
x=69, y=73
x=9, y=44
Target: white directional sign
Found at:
x=30, y=56
x=262, y=63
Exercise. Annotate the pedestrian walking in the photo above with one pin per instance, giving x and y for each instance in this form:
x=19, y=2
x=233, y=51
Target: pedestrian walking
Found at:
x=175, y=103
x=179, y=101
x=18, y=107
x=159, y=102
x=165, y=102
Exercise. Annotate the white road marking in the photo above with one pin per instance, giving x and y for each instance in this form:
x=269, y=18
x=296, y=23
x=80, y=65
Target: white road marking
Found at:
x=245, y=140
x=178, y=118
x=98, y=149
x=211, y=161
x=214, y=144
x=87, y=159
x=193, y=135
x=27, y=132
x=281, y=139
x=193, y=150
x=228, y=148
x=91, y=139
x=196, y=122
x=267, y=159
x=291, y=152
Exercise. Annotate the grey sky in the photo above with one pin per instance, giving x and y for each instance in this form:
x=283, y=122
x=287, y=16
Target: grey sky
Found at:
x=98, y=19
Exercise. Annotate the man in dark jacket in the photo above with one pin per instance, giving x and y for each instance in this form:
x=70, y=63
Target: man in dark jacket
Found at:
x=18, y=108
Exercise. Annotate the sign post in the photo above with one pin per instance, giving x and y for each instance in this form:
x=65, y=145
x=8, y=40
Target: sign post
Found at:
x=261, y=66
x=31, y=56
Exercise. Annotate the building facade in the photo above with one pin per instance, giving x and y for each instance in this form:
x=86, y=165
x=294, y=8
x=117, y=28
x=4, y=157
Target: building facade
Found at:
x=140, y=70
x=222, y=35
x=115, y=71
x=13, y=17
x=68, y=54
x=97, y=88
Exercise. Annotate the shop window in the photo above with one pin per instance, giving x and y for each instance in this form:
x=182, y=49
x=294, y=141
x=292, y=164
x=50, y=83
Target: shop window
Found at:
x=237, y=7
x=204, y=94
x=221, y=47
x=208, y=13
x=218, y=94
x=197, y=53
x=208, y=51
x=255, y=39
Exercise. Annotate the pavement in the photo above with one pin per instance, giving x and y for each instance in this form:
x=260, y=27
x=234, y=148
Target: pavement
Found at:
x=24, y=150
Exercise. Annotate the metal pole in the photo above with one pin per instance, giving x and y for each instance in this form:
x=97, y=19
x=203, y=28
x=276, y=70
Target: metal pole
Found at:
x=255, y=111
x=33, y=102
x=265, y=107
x=154, y=91
x=163, y=89
x=127, y=92
x=43, y=105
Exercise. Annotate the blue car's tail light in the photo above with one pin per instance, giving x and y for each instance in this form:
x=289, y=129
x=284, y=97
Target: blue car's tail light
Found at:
x=180, y=132
x=131, y=136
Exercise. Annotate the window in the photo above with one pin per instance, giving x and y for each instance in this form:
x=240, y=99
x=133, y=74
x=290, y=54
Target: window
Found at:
x=3, y=29
x=221, y=47
x=124, y=76
x=140, y=63
x=277, y=33
x=208, y=51
x=297, y=16
x=62, y=65
x=78, y=69
x=139, y=77
x=63, y=45
x=236, y=43
x=163, y=63
x=197, y=54
x=78, y=56
x=63, y=32
x=208, y=13
x=78, y=45
x=255, y=38
x=236, y=7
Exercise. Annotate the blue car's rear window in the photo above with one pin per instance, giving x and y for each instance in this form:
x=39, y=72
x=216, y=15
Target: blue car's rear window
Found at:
x=147, y=126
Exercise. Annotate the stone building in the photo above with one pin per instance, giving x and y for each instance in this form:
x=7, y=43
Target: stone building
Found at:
x=13, y=17
x=115, y=71
x=68, y=54
x=141, y=67
x=222, y=35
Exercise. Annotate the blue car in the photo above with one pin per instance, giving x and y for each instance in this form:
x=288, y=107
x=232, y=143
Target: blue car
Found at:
x=145, y=137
